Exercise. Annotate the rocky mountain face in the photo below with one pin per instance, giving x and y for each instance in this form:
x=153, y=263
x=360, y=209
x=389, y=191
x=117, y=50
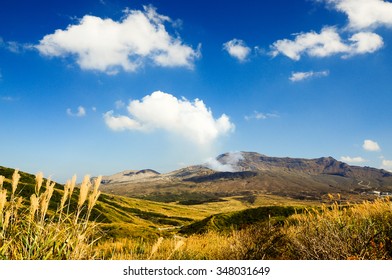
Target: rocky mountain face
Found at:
x=129, y=175
x=252, y=173
x=251, y=161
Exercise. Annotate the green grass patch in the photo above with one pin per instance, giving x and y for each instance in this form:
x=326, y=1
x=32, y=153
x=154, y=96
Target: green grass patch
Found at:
x=239, y=219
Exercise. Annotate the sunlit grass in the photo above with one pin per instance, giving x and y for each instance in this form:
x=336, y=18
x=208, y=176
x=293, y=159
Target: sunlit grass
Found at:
x=42, y=220
x=29, y=230
x=360, y=231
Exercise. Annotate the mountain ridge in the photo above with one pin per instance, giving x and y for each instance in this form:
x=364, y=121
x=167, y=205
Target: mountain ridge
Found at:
x=255, y=162
x=250, y=174
x=323, y=165
x=129, y=175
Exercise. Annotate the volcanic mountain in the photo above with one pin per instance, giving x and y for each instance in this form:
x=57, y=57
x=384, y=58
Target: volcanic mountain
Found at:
x=250, y=173
x=250, y=161
x=129, y=175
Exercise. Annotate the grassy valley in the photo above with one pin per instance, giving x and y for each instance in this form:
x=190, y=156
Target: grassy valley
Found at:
x=231, y=223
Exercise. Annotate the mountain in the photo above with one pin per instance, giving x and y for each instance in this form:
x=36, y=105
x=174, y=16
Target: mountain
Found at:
x=129, y=175
x=249, y=174
x=250, y=161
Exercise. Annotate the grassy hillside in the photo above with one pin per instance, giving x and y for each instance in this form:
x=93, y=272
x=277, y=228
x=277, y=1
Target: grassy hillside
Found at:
x=118, y=216
x=131, y=217
x=226, y=222
x=334, y=232
x=59, y=222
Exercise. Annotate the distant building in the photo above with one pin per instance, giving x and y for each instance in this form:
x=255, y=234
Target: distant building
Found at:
x=384, y=194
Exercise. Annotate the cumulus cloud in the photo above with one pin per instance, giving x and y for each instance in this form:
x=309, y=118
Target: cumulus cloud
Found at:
x=327, y=43
x=365, y=42
x=370, y=145
x=300, y=76
x=107, y=45
x=348, y=159
x=364, y=14
x=81, y=112
x=261, y=116
x=229, y=164
x=237, y=49
x=191, y=120
x=387, y=165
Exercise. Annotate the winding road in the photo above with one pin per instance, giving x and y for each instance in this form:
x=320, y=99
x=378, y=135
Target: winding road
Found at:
x=362, y=185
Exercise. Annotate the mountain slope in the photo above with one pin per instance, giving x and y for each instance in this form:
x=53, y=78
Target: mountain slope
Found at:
x=251, y=161
x=116, y=215
x=129, y=175
x=252, y=174
x=120, y=216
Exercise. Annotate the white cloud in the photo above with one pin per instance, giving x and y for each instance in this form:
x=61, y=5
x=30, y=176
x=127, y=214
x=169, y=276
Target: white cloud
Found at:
x=237, y=49
x=191, y=120
x=348, y=159
x=230, y=164
x=370, y=145
x=107, y=45
x=261, y=116
x=300, y=76
x=80, y=113
x=387, y=165
x=327, y=43
x=365, y=42
x=121, y=123
x=363, y=14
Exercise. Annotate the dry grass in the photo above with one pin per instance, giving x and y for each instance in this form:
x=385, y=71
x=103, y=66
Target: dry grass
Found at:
x=361, y=231
x=243, y=244
x=35, y=228
x=28, y=230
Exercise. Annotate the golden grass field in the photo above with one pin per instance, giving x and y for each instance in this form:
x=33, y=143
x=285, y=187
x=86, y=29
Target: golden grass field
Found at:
x=40, y=219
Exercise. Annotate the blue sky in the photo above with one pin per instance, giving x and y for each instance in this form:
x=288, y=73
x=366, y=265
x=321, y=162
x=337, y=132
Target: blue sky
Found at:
x=100, y=86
